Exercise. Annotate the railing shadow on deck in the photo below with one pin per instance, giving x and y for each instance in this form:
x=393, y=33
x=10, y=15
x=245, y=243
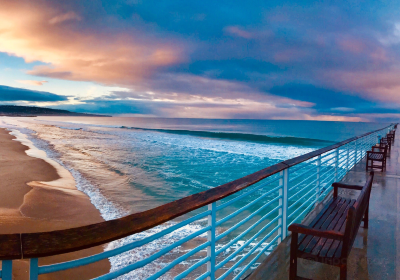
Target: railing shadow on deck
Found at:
x=233, y=226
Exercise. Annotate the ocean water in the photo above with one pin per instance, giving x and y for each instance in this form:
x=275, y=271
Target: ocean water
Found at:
x=128, y=165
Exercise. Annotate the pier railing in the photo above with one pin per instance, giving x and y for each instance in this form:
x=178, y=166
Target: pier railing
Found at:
x=221, y=233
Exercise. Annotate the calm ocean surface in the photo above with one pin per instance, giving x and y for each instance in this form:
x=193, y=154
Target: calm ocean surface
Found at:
x=128, y=165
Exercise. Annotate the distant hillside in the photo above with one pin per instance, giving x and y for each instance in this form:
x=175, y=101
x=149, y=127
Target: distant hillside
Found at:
x=27, y=111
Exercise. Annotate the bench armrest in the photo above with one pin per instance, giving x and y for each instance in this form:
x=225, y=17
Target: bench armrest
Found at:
x=344, y=186
x=330, y=234
x=375, y=148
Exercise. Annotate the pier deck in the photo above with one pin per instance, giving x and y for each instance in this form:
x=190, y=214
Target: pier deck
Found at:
x=376, y=251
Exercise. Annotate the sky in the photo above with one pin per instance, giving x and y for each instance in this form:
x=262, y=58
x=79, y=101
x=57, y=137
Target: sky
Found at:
x=309, y=60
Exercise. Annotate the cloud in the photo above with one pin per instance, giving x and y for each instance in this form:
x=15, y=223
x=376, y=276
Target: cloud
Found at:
x=19, y=94
x=77, y=52
x=238, y=31
x=323, y=98
x=32, y=83
x=379, y=85
x=243, y=109
x=261, y=60
x=351, y=45
x=334, y=102
x=64, y=17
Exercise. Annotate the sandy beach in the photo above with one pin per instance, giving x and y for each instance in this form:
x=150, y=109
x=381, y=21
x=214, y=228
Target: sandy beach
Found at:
x=35, y=199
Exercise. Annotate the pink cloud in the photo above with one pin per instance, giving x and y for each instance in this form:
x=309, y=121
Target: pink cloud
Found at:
x=289, y=55
x=32, y=83
x=78, y=54
x=64, y=17
x=379, y=55
x=351, y=45
x=381, y=85
x=239, y=32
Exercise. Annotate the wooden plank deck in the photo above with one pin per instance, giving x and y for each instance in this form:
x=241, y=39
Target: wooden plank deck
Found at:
x=376, y=251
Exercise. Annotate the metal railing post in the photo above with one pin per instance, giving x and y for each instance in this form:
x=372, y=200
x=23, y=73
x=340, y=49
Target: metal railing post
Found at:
x=6, y=270
x=348, y=158
x=370, y=141
x=336, y=164
x=211, y=239
x=283, y=203
x=355, y=152
x=317, y=188
x=33, y=269
x=362, y=148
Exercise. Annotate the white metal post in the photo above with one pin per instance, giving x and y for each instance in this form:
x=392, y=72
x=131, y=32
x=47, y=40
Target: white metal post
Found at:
x=317, y=188
x=355, y=152
x=362, y=144
x=336, y=164
x=369, y=141
x=211, y=239
x=33, y=269
x=348, y=158
x=280, y=220
x=283, y=203
x=6, y=270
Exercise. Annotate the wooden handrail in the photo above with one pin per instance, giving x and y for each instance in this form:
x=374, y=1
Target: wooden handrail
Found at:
x=63, y=241
x=42, y=244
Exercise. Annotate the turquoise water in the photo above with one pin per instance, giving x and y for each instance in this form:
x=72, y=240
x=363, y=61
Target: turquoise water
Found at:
x=139, y=163
x=127, y=165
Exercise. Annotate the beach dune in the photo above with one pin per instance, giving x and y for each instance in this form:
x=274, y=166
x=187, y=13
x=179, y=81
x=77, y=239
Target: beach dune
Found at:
x=32, y=203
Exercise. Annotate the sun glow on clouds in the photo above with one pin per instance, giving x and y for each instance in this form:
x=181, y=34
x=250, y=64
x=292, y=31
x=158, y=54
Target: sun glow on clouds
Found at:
x=64, y=17
x=38, y=33
x=32, y=83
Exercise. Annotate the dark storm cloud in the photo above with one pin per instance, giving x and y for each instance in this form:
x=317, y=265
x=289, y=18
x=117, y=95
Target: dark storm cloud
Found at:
x=19, y=94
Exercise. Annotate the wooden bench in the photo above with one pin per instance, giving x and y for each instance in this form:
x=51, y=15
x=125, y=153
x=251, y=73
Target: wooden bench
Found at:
x=379, y=154
x=388, y=142
x=391, y=136
x=330, y=236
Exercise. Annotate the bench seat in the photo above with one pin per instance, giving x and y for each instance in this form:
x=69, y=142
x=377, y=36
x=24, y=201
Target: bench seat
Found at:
x=328, y=238
x=332, y=217
x=376, y=156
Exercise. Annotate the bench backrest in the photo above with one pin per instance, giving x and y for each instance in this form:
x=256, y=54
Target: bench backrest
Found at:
x=385, y=140
x=355, y=216
x=383, y=148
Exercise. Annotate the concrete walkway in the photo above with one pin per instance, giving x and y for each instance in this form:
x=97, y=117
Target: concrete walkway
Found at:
x=376, y=251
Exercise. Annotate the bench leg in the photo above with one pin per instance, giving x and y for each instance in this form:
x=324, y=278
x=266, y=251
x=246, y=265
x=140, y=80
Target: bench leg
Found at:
x=366, y=218
x=293, y=256
x=343, y=272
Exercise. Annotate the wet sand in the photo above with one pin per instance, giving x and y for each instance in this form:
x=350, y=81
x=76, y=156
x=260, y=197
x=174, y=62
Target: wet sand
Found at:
x=36, y=198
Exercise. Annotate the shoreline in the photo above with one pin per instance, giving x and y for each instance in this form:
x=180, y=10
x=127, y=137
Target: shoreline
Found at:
x=40, y=195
